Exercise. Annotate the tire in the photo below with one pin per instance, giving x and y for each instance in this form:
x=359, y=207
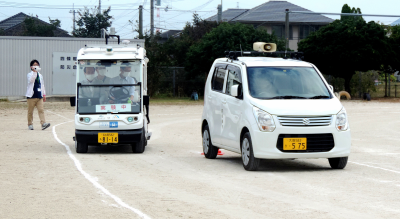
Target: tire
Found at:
x=209, y=150
x=338, y=163
x=81, y=147
x=250, y=163
x=139, y=147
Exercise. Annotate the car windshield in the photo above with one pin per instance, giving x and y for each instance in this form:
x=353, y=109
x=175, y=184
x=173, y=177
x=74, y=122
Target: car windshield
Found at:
x=286, y=83
x=106, y=86
x=105, y=71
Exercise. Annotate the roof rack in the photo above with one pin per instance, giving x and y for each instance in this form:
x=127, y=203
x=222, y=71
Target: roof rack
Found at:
x=293, y=55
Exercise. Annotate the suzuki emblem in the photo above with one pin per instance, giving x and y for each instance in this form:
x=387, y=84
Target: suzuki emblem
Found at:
x=306, y=121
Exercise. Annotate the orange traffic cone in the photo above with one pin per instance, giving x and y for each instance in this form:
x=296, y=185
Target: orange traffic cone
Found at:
x=219, y=152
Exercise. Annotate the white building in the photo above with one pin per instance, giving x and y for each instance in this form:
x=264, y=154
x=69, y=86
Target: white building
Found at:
x=57, y=57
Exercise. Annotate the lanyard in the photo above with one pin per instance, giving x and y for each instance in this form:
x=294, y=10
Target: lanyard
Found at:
x=38, y=79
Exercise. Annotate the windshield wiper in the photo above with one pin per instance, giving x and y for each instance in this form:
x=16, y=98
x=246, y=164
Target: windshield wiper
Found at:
x=287, y=97
x=320, y=97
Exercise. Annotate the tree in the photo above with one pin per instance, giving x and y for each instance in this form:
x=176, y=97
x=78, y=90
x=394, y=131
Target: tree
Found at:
x=32, y=27
x=346, y=46
x=191, y=34
x=222, y=38
x=91, y=22
x=346, y=9
x=173, y=53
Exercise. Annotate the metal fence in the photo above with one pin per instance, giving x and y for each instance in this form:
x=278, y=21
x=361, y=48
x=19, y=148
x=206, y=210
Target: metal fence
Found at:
x=174, y=82
x=392, y=91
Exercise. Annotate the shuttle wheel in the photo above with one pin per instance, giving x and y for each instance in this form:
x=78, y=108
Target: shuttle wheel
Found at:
x=81, y=147
x=139, y=146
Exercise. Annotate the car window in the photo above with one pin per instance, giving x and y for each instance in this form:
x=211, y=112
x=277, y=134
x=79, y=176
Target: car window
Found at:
x=286, y=83
x=217, y=83
x=234, y=78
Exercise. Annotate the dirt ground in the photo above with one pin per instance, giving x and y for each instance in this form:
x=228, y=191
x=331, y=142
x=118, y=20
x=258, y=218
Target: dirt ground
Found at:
x=40, y=179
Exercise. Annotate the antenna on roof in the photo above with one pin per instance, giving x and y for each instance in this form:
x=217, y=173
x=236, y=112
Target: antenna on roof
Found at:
x=238, y=5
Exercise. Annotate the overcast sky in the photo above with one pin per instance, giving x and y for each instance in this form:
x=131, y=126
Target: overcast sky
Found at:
x=181, y=11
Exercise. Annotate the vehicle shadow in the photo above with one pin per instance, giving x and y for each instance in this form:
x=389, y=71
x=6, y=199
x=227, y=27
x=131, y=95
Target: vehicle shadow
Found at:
x=282, y=165
x=108, y=149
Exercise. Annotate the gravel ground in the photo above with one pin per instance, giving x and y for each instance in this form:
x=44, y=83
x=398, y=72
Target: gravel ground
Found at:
x=39, y=179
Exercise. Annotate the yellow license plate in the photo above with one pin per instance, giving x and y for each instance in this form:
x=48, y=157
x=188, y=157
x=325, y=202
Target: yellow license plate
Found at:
x=294, y=144
x=108, y=137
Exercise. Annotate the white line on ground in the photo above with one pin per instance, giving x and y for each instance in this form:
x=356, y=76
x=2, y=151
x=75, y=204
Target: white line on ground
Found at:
x=93, y=180
x=58, y=115
x=394, y=171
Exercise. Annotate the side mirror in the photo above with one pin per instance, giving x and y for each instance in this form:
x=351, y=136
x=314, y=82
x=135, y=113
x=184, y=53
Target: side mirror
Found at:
x=72, y=101
x=235, y=90
x=331, y=87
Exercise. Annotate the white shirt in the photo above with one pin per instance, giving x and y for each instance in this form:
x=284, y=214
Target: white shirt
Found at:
x=31, y=82
x=126, y=80
x=90, y=91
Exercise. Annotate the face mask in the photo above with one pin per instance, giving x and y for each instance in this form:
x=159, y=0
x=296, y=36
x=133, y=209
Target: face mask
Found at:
x=36, y=68
x=90, y=77
x=102, y=72
x=126, y=74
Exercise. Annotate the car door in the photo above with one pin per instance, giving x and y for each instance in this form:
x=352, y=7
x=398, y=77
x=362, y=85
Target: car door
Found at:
x=214, y=99
x=232, y=109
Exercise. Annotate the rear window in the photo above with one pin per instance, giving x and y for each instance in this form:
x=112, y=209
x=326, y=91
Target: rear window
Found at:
x=217, y=82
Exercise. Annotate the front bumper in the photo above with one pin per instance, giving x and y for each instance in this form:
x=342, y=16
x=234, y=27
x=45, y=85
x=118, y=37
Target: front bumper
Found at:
x=124, y=136
x=265, y=143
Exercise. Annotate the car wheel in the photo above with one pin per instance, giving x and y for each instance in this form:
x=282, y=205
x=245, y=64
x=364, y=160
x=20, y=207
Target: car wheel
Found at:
x=210, y=151
x=139, y=147
x=250, y=163
x=338, y=163
x=81, y=147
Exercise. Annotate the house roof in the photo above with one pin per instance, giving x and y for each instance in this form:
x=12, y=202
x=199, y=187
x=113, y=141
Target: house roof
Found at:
x=18, y=19
x=12, y=21
x=169, y=33
x=228, y=15
x=397, y=22
x=274, y=11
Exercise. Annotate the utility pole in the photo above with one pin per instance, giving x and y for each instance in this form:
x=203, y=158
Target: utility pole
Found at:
x=287, y=29
x=152, y=17
x=73, y=12
x=99, y=6
x=140, y=21
x=219, y=13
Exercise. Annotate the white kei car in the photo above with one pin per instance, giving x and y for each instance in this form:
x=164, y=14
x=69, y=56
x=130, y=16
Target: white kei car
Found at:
x=273, y=108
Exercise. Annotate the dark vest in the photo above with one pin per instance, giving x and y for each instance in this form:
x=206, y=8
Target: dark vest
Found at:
x=36, y=86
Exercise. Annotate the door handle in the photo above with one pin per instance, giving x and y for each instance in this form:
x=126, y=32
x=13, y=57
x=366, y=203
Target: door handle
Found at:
x=209, y=97
x=224, y=102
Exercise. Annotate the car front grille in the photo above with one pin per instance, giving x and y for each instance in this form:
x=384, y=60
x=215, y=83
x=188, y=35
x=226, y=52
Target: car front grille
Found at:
x=315, y=142
x=305, y=121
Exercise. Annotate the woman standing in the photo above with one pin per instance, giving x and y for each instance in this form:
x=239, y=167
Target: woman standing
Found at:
x=36, y=95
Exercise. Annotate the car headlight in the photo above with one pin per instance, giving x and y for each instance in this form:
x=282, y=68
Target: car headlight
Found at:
x=132, y=119
x=342, y=124
x=264, y=120
x=87, y=119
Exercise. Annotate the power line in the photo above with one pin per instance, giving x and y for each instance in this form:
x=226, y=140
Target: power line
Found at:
x=64, y=8
x=47, y=6
x=29, y=4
